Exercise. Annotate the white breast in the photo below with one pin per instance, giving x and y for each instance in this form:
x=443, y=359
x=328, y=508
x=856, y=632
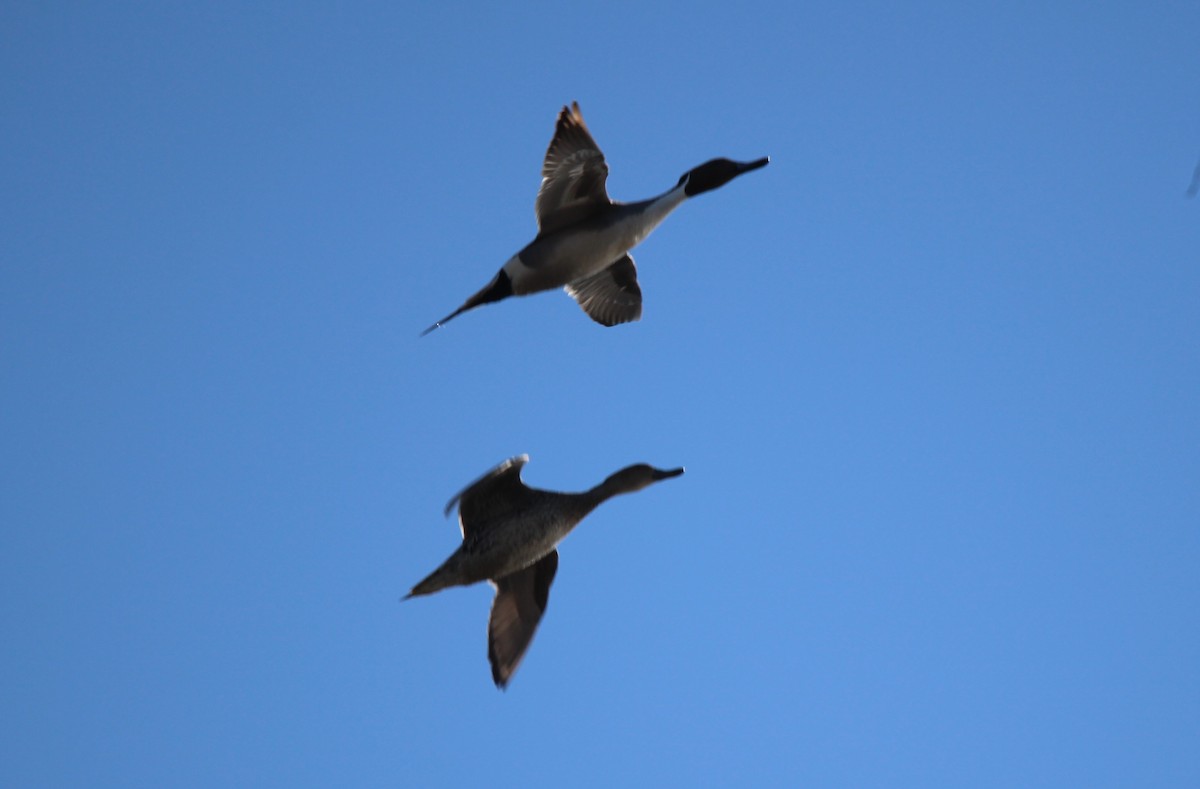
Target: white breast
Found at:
x=575, y=254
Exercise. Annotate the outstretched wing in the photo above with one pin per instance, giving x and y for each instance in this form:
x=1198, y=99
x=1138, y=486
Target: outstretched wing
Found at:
x=491, y=497
x=613, y=296
x=573, y=174
x=520, y=602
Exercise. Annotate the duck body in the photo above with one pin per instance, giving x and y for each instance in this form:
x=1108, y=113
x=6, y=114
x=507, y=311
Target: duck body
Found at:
x=505, y=545
x=588, y=247
x=511, y=534
x=584, y=238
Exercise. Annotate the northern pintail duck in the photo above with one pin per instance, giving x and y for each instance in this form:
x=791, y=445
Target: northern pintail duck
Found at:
x=584, y=237
x=510, y=533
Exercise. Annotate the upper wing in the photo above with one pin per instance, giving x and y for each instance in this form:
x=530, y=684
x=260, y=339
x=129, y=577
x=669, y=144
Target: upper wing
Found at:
x=520, y=602
x=573, y=174
x=613, y=296
x=495, y=494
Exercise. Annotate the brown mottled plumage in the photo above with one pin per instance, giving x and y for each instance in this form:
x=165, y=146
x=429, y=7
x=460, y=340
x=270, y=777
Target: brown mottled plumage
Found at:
x=510, y=533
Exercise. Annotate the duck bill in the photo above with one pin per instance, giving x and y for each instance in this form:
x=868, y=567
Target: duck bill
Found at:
x=667, y=474
x=745, y=167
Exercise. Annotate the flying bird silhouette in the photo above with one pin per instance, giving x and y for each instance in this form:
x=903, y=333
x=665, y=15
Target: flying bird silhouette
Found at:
x=584, y=237
x=510, y=537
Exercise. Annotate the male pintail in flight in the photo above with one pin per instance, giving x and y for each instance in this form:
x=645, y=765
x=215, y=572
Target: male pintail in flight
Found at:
x=510, y=534
x=584, y=238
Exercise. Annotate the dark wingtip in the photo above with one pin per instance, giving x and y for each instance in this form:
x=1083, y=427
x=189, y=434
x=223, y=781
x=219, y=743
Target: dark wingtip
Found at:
x=668, y=473
x=757, y=163
x=431, y=328
x=498, y=678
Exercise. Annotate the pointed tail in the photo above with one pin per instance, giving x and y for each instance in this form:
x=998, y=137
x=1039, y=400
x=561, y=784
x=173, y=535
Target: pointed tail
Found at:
x=499, y=288
x=446, y=319
x=442, y=578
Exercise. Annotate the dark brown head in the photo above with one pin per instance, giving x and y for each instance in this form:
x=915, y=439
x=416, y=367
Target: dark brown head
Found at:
x=634, y=478
x=716, y=173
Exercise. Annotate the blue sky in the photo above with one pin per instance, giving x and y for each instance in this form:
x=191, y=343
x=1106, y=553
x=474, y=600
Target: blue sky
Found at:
x=934, y=375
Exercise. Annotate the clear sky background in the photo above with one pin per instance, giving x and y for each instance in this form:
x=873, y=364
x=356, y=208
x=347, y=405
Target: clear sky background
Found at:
x=934, y=374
